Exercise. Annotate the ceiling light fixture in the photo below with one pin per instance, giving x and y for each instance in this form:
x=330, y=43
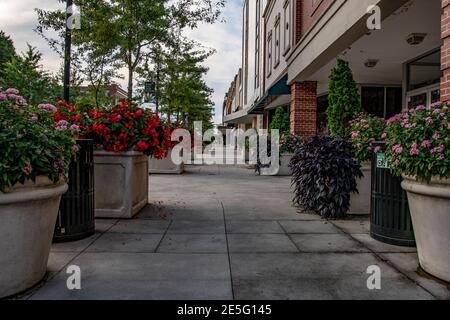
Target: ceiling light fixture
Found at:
x=415, y=38
x=371, y=63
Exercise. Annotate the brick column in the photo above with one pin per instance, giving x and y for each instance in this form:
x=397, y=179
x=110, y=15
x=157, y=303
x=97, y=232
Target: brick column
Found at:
x=304, y=108
x=445, y=51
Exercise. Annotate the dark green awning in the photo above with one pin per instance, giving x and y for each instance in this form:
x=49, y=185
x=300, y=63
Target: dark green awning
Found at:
x=278, y=89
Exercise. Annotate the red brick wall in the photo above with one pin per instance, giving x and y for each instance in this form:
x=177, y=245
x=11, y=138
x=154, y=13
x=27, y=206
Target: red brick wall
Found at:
x=304, y=108
x=298, y=20
x=307, y=13
x=445, y=51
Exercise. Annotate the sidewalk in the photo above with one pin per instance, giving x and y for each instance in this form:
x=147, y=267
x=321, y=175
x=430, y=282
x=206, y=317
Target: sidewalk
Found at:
x=221, y=232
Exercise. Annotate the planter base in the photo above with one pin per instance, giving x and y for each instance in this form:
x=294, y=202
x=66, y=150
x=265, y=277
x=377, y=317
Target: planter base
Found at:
x=121, y=184
x=164, y=166
x=430, y=213
x=27, y=222
x=284, y=169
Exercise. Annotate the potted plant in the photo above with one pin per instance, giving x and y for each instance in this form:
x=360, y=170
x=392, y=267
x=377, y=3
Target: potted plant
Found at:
x=124, y=137
x=419, y=151
x=365, y=130
x=166, y=165
x=35, y=156
x=324, y=176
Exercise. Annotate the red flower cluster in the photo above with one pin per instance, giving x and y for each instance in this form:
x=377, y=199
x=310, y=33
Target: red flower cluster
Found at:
x=74, y=116
x=127, y=127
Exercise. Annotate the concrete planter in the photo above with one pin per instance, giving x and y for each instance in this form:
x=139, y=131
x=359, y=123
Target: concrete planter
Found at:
x=285, y=160
x=27, y=221
x=360, y=203
x=284, y=170
x=430, y=212
x=121, y=184
x=164, y=166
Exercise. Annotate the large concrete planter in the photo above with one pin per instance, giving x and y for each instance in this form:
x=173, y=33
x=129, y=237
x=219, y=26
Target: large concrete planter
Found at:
x=360, y=202
x=284, y=170
x=121, y=184
x=27, y=221
x=165, y=166
x=430, y=212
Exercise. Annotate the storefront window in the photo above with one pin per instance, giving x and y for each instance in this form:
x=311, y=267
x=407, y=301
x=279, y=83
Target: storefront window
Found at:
x=383, y=102
x=435, y=95
x=418, y=100
x=425, y=71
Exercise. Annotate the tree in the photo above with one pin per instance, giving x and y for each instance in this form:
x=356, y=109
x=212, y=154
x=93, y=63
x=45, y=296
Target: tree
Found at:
x=344, y=100
x=182, y=92
x=281, y=121
x=129, y=28
x=26, y=74
x=7, y=50
x=99, y=70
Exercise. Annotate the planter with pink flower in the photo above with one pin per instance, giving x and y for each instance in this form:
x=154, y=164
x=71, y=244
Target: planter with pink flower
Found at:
x=124, y=138
x=35, y=156
x=419, y=151
x=366, y=130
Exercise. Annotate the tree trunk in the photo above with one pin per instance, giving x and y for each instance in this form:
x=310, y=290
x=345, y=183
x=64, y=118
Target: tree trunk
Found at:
x=130, y=82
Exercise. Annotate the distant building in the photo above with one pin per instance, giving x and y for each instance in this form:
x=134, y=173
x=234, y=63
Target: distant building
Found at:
x=290, y=46
x=113, y=91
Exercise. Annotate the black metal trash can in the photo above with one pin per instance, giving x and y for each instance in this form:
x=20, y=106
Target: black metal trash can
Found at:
x=76, y=217
x=390, y=218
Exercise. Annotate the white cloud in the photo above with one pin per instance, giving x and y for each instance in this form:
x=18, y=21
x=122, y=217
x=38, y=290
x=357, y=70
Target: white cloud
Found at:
x=18, y=19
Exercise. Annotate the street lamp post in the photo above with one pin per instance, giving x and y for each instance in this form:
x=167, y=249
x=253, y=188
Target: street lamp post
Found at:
x=67, y=52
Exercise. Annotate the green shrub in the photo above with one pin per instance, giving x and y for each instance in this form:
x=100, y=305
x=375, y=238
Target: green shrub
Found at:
x=281, y=121
x=344, y=100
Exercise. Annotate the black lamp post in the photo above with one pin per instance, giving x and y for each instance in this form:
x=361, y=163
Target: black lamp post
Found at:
x=67, y=52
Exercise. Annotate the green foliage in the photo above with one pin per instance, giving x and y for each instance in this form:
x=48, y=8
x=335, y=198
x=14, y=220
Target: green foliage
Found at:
x=7, y=50
x=365, y=130
x=31, y=145
x=344, y=99
x=289, y=143
x=281, y=121
x=26, y=74
x=128, y=30
x=418, y=142
x=182, y=92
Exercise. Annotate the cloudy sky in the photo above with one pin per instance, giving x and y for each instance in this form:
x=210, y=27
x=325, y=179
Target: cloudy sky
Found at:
x=18, y=19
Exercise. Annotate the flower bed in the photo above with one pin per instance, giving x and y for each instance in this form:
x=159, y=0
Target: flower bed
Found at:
x=127, y=127
x=31, y=144
x=418, y=142
x=365, y=130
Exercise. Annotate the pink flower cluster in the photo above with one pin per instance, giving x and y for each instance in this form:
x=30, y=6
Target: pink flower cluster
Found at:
x=48, y=107
x=355, y=134
x=27, y=170
x=12, y=94
x=397, y=149
x=414, y=150
x=437, y=150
